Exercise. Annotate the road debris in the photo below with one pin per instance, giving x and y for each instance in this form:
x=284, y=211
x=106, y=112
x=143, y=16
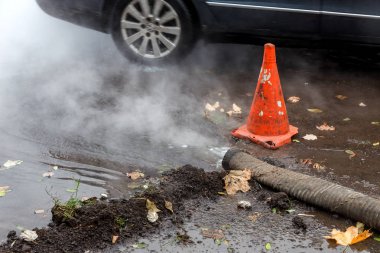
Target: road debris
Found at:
x=236, y=110
x=4, y=190
x=114, y=239
x=376, y=144
x=349, y=237
x=315, y=110
x=310, y=137
x=268, y=246
x=237, y=180
x=169, y=206
x=253, y=217
x=318, y=167
x=152, y=215
x=341, y=97
x=377, y=123
x=243, y=204
x=212, y=108
x=362, y=104
x=48, y=174
x=39, y=211
x=135, y=175
x=351, y=153
x=346, y=119
x=325, y=127
x=306, y=161
x=139, y=245
x=213, y=233
x=28, y=235
x=294, y=99
x=10, y=164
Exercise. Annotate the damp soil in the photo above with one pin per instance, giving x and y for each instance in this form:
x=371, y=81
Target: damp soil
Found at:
x=92, y=226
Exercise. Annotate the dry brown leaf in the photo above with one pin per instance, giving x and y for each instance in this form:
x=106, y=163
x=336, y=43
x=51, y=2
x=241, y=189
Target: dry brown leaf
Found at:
x=341, y=97
x=306, y=161
x=152, y=211
x=315, y=110
x=294, y=99
x=114, y=239
x=213, y=233
x=169, y=206
x=135, y=175
x=325, y=127
x=349, y=237
x=351, y=153
x=237, y=180
x=318, y=167
x=253, y=217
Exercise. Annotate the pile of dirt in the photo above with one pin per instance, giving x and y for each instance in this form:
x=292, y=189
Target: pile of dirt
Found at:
x=93, y=225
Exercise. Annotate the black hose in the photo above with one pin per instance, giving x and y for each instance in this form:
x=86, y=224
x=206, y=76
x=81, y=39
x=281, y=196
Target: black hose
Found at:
x=329, y=196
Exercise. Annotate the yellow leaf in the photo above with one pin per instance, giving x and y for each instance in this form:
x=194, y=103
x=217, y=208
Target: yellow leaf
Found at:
x=135, y=175
x=169, y=206
x=349, y=237
x=315, y=110
x=152, y=211
x=237, y=180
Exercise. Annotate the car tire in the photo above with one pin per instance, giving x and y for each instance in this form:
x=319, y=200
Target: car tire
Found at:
x=153, y=31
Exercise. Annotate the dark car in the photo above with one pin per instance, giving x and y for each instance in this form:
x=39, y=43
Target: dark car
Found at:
x=164, y=30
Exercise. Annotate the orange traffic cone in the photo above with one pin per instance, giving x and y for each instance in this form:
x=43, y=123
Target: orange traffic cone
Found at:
x=268, y=123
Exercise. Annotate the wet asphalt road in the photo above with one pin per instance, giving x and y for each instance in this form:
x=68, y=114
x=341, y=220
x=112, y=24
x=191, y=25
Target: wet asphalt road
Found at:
x=97, y=117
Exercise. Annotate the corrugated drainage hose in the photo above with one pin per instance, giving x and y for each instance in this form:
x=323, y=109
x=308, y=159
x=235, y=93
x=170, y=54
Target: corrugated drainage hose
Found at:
x=315, y=191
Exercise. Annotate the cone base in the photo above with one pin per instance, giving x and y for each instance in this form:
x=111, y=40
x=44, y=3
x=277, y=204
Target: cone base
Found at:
x=271, y=142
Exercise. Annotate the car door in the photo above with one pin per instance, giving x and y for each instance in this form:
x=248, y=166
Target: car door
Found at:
x=279, y=18
x=351, y=20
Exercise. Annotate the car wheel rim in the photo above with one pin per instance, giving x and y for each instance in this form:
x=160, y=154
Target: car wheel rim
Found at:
x=150, y=28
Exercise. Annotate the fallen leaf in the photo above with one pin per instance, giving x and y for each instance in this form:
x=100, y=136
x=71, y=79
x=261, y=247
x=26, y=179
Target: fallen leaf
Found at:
x=28, y=235
x=39, y=211
x=362, y=104
x=315, y=110
x=290, y=210
x=325, y=127
x=212, y=108
x=139, y=245
x=318, y=167
x=306, y=161
x=55, y=167
x=306, y=215
x=268, y=246
x=4, y=190
x=169, y=206
x=341, y=97
x=237, y=180
x=346, y=119
x=253, y=217
x=351, y=153
x=10, y=164
x=377, y=123
x=221, y=110
x=152, y=211
x=48, y=174
x=216, y=234
x=295, y=140
x=236, y=110
x=310, y=137
x=360, y=227
x=244, y=204
x=376, y=144
x=294, y=99
x=349, y=237
x=222, y=193
x=135, y=175
x=114, y=239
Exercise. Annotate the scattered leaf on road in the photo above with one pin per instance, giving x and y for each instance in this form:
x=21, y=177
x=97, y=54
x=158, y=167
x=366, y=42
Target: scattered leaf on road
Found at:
x=325, y=127
x=307, y=161
x=377, y=123
x=318, y=167
x=310, y=137
x=351, y=153
x=55, y=167
x=114, y=239
x=341, y=97
x=139, y=245
x=268, y=246
x=349, y=237
x=346, y=119
x=237, y=180
x=10, y=164
x=376, y=144
x=212, y=108
x=39, y=211
x=294, y=99
x=362, y=104
x=315, y=110
x=169, y=206
x=213, y=233
x=28, y=235
x=152, y=211
x=48, y=174
x=135, y=175
x=295, y=140
x=236, y=110
x=4, y=190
